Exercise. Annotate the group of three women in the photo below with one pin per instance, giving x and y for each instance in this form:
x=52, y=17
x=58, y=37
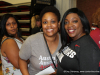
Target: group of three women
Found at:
x=70, y=54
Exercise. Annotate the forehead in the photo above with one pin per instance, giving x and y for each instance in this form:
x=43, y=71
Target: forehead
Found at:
x=50, y=14
x=11, y=18
x=72, y=16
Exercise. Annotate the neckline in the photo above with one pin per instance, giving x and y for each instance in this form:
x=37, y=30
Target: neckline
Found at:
x=57, y=46
x=19, y=40
x=79, y=38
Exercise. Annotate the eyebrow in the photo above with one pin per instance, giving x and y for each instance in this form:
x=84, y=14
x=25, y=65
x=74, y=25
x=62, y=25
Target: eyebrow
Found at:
x=72, y=18
x=51, y=19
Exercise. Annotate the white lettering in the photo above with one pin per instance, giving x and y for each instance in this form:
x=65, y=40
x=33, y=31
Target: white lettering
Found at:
x=41, y=63
x=69, y=52
x=40, y=58
x=72, y=54
x=48, y=58
x=45, y=60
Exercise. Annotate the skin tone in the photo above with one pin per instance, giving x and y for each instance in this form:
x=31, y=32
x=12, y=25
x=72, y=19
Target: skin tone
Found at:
x=11, y=26
x=38, y=23
x=73, y=26
x=50, y=26
x=9, y=47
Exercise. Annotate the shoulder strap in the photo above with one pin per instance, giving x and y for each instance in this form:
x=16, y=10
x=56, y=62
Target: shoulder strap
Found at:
x=50, y=54
x=6, y=39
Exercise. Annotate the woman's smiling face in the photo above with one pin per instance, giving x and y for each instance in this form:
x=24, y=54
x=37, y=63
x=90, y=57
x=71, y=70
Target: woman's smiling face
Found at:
x=50, y=24
x=73, y=26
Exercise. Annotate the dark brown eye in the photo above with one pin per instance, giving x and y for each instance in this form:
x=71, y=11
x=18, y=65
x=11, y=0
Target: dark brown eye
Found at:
x=52, y=21
x=66, y=23
x=75, y=21
x=45, y=22
x=8, y=24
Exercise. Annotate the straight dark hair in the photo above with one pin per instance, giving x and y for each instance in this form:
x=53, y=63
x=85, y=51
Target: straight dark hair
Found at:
x=84, y=20
x=3, y=31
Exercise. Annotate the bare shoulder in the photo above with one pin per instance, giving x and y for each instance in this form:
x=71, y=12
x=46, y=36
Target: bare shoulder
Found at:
x=8, y=42
x=9, y=45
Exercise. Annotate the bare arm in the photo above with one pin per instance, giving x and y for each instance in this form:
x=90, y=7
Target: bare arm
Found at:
x=23, y=66
x=11, y=50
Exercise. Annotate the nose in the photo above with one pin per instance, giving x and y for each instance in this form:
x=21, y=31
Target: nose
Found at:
x=70, y=24
x=48, y=24
x=12, y=25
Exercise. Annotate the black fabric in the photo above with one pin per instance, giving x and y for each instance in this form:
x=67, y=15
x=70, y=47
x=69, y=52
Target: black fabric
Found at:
x=86, y=60
x=35, y=30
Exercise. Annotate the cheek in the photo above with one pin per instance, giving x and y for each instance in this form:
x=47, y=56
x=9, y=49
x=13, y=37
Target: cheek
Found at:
x=7, y=28
x=80, y=27
x=55, y=26
x=15, y=26
x=43, y=27
x=65, y=27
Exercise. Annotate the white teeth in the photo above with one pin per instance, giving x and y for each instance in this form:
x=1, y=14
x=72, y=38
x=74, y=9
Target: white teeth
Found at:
x=49, y=29
x=71, y=30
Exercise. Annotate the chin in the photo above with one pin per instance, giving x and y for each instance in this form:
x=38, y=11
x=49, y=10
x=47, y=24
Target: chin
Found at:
x=71, y=36
x=49, y=35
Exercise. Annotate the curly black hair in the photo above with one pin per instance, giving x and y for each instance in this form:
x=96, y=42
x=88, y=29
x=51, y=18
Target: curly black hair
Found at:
x=50, y=9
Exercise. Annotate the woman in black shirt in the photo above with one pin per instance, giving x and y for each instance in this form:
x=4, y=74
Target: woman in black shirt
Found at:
x=81, y=55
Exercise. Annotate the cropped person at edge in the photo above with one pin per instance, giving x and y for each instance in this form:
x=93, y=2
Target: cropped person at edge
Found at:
x=10, y=44
x=80, y=56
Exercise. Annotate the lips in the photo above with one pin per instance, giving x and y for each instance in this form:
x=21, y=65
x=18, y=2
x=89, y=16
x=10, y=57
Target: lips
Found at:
x=13, y=30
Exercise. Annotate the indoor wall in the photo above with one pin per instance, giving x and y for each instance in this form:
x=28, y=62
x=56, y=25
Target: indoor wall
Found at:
x=88, y=7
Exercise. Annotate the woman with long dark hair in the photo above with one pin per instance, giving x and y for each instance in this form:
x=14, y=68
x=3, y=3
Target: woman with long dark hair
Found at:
x=81, y=55
x=11, y=42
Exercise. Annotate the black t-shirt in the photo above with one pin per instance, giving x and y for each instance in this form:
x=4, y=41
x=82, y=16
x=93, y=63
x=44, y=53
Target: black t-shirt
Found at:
x=81, y=57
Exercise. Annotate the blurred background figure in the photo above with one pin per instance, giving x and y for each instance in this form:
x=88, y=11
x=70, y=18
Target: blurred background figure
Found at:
x=37, y=25
x=95, y=19
x=94, y=23
x=95, y=34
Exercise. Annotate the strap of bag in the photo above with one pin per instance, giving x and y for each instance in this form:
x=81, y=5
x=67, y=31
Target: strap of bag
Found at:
x=50, y=54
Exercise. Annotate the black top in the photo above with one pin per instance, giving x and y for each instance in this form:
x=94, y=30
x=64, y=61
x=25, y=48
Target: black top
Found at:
x=35, y=30
x=81, y=57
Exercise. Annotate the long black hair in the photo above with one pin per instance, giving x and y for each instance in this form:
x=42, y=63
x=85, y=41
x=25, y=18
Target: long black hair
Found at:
x=3, y=31
x=84, y=20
